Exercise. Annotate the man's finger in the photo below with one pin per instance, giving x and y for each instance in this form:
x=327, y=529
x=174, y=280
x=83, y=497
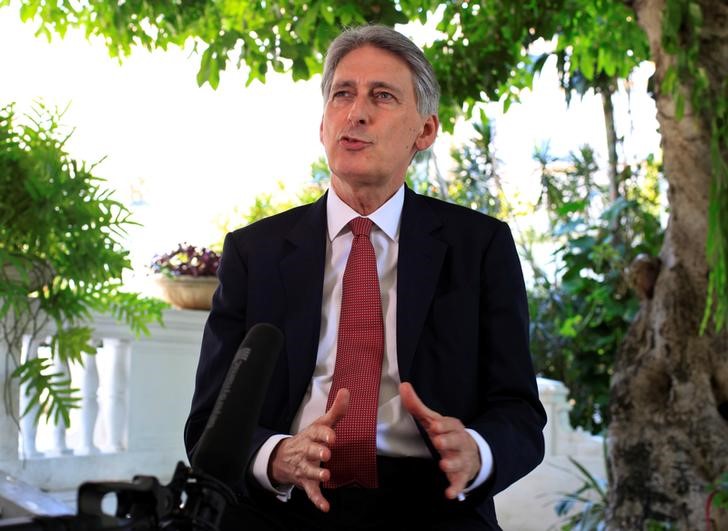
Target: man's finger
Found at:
x=414, y=405
x=453, y=491
x=314, y=494
x=457, y=478
x=449, y=441
x=338, y=408
x=318, y=452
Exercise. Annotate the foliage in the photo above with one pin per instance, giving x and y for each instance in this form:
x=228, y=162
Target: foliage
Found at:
x=590, y=497
x=475, y=182
x=599, y=44
x=478, y=53
x=280, y=36
x=717, y=499
x=187, y=260
x=581, y=310
x=482, y=53
x=267, y=204
x=656, y=525
x=60, y=256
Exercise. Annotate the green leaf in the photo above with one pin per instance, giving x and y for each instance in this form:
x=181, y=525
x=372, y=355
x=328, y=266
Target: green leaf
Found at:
x=679, y=106
x=571, y=206
x=203, y=74
x=307, y=22
x=51, y=392
x=327, y=12
x=570, y=327
x=214, y=74
x=28, y=10
x=300, y=69
x=71, y=342
x=669, y=81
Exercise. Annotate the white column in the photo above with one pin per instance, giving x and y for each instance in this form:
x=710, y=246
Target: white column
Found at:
x=28, y=423
x=8, y=426
x=87, y=380
x=59, y=430
x=553, y=395
x=113, y=370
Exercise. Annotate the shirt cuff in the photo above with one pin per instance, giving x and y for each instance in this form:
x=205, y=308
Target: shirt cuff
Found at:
x=259, y=468
x=486, y=461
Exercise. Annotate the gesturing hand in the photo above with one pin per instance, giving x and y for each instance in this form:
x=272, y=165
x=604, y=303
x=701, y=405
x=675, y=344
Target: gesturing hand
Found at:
x=460, y=456
x=297, y=460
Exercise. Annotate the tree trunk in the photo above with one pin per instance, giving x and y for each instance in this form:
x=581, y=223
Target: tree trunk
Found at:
x=667, y=438
x=612, y=140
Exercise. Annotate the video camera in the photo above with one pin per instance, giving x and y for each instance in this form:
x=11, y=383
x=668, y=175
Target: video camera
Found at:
x=191, y=501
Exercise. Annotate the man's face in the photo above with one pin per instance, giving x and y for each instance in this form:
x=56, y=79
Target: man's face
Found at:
x=370, y=126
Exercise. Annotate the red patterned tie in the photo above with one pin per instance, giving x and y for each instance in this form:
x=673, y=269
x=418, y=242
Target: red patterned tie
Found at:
x=359, y=353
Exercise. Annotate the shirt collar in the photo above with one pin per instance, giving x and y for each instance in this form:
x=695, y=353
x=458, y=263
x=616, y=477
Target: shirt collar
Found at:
x=386, y=217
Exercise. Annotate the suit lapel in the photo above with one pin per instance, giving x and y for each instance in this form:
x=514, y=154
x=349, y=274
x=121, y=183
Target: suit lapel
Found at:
x=420, y=259
x=302, y=272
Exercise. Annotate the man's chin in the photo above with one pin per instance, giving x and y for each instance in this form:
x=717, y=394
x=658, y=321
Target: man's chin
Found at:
x=359, y=176
x=359, y=179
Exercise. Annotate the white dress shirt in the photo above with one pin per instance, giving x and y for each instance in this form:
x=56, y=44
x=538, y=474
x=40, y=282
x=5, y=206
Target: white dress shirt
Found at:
x=397, y=433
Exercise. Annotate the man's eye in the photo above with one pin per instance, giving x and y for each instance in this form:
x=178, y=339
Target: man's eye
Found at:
x=383, y=95
x=341, y=94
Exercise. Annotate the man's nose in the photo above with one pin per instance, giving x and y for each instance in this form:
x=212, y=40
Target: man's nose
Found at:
x=359, y=111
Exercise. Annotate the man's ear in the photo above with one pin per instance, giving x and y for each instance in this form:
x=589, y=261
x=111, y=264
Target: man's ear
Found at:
x=321, y=130
x=429, y=133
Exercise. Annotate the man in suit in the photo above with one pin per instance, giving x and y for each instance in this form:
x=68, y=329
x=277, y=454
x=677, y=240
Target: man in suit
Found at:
x=457, y=412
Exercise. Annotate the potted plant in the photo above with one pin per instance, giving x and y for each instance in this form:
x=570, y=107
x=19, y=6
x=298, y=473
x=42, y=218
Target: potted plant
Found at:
x=187, y=276
x=61, y=258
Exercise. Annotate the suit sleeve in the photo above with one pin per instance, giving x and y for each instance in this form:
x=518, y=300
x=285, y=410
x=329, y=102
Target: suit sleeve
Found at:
x=512, y=417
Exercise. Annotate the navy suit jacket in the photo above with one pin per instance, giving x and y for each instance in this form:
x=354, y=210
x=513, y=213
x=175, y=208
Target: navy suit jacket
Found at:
x=462, y=326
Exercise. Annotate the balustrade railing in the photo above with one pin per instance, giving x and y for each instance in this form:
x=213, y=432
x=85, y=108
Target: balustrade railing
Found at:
x=99, y=424
x=134, y=396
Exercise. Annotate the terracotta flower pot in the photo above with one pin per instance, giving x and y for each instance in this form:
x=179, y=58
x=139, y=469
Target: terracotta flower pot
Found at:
x=187, y=292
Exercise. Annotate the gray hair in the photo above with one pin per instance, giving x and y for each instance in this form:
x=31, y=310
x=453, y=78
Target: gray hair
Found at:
x=427, y=90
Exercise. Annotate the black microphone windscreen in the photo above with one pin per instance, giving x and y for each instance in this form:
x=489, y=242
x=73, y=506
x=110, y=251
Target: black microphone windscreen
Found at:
x=223, y=447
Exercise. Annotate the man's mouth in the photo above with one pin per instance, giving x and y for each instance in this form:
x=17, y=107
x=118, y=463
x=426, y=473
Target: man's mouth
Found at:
x=352, y=142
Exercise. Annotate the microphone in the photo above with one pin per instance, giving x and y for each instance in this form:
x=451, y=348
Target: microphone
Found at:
x=223, y=447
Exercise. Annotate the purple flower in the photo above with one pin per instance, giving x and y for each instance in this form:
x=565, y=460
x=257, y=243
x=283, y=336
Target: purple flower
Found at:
x=187, y=260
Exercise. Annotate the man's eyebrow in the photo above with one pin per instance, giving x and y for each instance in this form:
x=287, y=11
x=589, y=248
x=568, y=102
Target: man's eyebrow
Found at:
x=384, y=84
x=342, y=84
x=348, y=83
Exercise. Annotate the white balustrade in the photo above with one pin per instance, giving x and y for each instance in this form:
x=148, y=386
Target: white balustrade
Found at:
x=134, y=396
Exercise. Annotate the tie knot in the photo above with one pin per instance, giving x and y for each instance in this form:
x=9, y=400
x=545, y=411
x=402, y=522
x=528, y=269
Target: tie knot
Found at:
x=361, y=226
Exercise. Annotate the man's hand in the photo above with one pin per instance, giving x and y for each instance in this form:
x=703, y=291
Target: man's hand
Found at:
x=297, y=460
x=459, y=451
